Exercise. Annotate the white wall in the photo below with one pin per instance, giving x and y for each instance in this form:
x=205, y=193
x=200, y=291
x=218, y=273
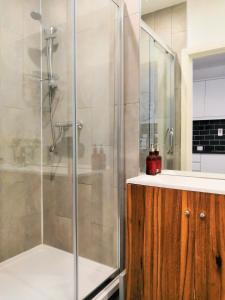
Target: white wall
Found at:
x=206, y=22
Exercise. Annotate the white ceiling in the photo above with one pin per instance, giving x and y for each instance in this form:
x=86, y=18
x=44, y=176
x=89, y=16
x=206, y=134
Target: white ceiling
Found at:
x=149, y=6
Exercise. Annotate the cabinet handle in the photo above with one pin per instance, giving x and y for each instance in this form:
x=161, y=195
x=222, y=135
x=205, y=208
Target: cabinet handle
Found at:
x=202, y=215
x=187, y=213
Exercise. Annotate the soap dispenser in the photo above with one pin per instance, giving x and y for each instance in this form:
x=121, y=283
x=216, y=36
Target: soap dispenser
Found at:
x=158, y=160
x=151, y=162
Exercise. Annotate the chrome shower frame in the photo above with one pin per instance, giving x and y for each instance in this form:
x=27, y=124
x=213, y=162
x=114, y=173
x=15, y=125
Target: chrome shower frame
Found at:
x=118, y=276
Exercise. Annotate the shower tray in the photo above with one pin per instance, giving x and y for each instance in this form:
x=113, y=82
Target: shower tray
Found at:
x=47, y=273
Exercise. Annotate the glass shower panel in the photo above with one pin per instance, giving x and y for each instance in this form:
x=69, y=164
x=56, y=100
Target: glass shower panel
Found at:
x=20, y=130
x=157, y=101
x=145, y=110
x=97, y=111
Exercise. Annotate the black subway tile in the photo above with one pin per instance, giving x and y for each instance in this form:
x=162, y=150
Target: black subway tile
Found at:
x=209, y=137
x=204, y=122
x=205, y=133
x=219, y=121
x=220, y=148
x=213, y=131
x=196, y=122
x=220, y=126
x=214, y=142
x=196, y=132
x=208, y=148
x=219, y=137
x=204, y=143
x=208, y=127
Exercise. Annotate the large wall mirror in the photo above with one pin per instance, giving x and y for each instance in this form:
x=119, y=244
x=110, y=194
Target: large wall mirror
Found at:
x=182, y=90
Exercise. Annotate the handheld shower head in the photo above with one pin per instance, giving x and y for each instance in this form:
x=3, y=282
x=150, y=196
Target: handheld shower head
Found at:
x=35, y=16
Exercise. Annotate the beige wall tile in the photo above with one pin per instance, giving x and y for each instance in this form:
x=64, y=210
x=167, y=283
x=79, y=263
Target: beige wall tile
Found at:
x=20, y=219
x=132, y=6
x=166, y=36
x=179, y=43
x=131, y=140
x=163, y=19
x=58, y=232
x=179, y=19
x=131, y=63
x=150, y=20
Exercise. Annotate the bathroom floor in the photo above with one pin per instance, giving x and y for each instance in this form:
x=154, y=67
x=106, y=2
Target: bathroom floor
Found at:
x=46, y=273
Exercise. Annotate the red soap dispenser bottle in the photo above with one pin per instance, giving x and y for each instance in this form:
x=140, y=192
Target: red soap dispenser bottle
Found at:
x=158, y=160
x=151, y=162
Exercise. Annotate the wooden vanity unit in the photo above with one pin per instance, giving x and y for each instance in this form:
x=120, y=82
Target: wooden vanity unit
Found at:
x=175, y=239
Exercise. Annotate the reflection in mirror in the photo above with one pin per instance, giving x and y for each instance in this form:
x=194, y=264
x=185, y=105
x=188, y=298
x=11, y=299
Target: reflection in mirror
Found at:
x=209, y=114
x=172, y=115
x=163, y=36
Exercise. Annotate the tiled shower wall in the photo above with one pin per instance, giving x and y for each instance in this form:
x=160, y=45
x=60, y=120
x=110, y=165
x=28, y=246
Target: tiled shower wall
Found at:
x=132, y=89
x=20, y=128
x=171, y=25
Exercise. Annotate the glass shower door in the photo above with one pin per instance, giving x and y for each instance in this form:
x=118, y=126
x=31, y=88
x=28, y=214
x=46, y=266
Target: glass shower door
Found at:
x=157, y=101
x=98, y=105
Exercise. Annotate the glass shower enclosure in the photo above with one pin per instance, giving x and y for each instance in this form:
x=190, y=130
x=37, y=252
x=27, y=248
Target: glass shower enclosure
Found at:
x=158, y=118
x=61, y=151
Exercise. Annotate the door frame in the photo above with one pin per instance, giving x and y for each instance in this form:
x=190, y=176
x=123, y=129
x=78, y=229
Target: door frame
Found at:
x=187, y=57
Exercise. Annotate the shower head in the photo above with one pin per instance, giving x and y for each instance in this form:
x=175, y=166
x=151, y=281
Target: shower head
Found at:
x=35, y=15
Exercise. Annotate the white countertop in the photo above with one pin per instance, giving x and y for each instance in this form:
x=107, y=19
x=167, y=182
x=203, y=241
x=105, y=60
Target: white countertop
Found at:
x=186, y=183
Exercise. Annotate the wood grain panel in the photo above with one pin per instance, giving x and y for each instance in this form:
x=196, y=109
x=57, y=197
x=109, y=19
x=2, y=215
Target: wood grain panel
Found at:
x=153, y=243
x=187, y=247
x=210, y=248
x=135, y=242
x=170, y=244
x=171, y=256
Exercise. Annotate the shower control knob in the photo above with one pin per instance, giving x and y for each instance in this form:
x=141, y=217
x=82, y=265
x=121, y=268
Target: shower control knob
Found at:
x=202, y=215
x=187, y=213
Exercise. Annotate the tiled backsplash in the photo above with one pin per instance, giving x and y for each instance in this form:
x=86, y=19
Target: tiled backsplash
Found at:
x=205, y=134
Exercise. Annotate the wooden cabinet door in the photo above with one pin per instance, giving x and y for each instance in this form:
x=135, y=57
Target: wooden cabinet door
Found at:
x=210, y=247
x=153, y=252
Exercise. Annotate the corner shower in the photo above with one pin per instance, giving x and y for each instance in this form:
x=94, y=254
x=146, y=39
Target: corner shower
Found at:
x=61, y=236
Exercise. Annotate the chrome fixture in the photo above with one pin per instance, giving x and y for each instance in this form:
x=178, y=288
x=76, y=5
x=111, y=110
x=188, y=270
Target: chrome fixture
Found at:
x=62, y=127
x=35, y=15
x=50, y=35
x=187, y=213
x=202, y=215
x=52, y=85
x=67, y=125
x=170, y=133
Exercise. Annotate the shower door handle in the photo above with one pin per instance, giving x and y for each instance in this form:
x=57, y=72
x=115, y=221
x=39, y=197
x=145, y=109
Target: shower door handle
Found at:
x=170, y=134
